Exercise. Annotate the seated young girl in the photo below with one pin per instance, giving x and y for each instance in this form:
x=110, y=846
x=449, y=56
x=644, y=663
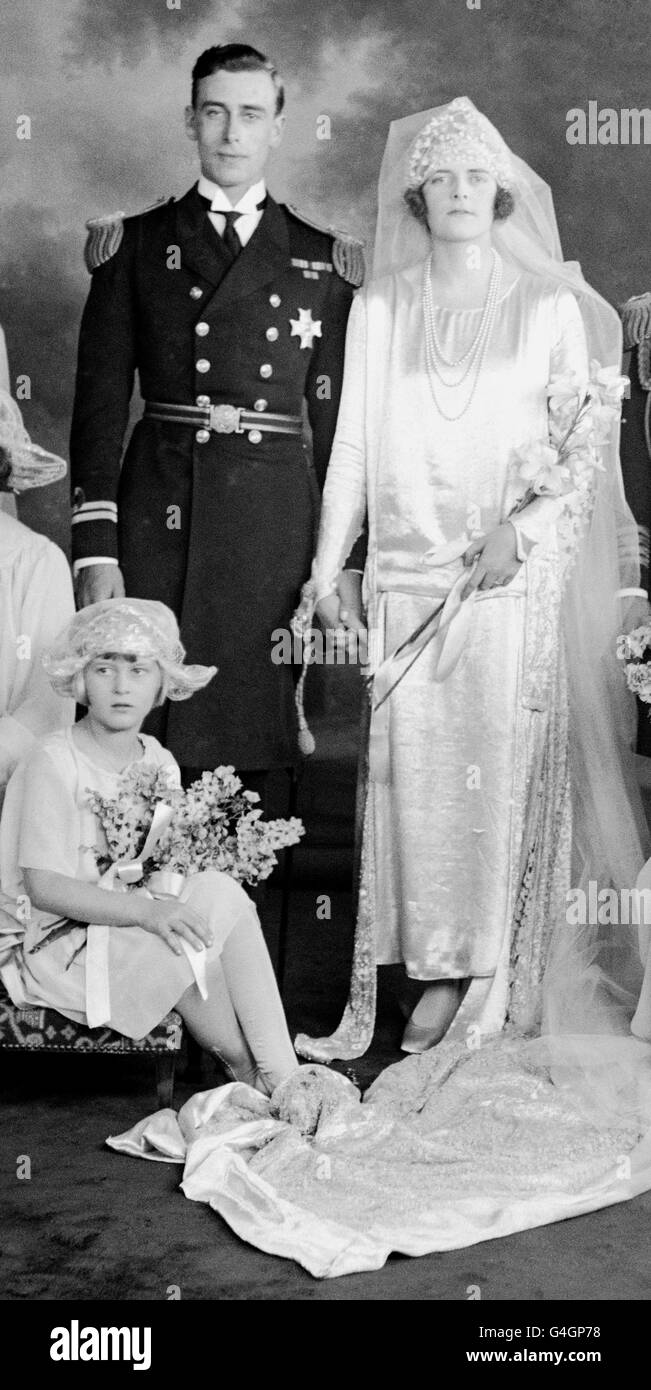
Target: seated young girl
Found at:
x=203, y=953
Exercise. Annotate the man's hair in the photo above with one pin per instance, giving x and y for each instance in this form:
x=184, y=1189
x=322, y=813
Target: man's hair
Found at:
x=502, y=207
x=236, y=57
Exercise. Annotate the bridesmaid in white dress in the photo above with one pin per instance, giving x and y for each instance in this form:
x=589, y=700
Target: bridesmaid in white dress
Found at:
x=203, y=952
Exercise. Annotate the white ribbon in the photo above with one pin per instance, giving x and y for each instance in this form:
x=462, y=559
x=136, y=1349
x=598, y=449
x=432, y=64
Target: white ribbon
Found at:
x=447, y=630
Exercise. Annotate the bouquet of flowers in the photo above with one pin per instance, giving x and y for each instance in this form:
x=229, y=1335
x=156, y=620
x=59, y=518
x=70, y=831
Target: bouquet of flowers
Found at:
x=126, y=819
x=580, y=424
x=634, y=648
x=156, y=833
x=215, y=824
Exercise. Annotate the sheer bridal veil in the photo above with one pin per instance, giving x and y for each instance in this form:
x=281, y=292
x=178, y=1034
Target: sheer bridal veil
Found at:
x=597, y=1012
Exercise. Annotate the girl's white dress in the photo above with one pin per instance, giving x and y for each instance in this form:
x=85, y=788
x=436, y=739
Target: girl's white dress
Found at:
x=46, y=824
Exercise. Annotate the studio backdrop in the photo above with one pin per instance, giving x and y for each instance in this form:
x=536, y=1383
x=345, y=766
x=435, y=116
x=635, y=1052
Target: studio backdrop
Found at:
x=92, y=122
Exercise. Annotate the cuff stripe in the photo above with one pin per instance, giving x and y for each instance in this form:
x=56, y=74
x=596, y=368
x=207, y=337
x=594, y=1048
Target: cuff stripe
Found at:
x=99, y=503
x=97, y=514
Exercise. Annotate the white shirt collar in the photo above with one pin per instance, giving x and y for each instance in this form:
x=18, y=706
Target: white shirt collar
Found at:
x=221, y=202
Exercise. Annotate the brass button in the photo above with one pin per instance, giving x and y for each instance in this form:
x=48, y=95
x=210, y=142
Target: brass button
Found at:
x=202, y=436
x=271, y=335
x=255, y=436
x=275, y=301
x=266, y=370
x=260, y=405
x=203, y=400
x=195, y=292
x=202, y=329
x=203, y=365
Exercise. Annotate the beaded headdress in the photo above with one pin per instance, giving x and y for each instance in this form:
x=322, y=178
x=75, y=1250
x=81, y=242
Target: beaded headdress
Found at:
x=456, y=132
x=133, y=626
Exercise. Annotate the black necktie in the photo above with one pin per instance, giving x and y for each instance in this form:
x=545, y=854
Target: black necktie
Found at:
x=232, y=243
x=230, y=240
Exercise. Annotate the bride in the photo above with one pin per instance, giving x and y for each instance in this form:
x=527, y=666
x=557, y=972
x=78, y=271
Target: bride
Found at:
x=446, y=411
x=502, y=565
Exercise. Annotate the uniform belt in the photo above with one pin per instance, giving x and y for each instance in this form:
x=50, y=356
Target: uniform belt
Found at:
x=222, y=419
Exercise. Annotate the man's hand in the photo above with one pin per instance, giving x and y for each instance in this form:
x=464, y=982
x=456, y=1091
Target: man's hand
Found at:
x=97, y=582
x=496, y=559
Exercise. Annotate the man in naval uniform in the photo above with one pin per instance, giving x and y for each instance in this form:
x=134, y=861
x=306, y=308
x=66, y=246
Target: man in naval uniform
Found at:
x=636, y=453
x=233, y=311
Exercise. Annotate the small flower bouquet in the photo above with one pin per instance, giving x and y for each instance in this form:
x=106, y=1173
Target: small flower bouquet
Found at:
x=580, y=424
x=581, y=421
x=634, y=649
x=215, y=824
x=156, y=834
x=126, y=819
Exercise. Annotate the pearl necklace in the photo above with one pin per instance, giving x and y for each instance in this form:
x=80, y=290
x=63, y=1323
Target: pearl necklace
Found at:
x=474, y=354
x=493, y=285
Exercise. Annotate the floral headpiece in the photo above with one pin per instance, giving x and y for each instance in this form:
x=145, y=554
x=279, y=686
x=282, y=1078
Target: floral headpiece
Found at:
x=135, y=626
x=459, y=131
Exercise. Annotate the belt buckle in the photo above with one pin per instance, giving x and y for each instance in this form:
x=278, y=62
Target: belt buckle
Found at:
x=225, y=419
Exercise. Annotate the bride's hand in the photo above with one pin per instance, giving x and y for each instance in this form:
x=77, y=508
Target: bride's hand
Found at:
x=341, y=612
x=349, y=589
x=495, y=558
x=327, y=611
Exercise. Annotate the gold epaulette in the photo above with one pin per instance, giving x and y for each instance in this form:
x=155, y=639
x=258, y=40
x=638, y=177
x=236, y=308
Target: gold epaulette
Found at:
x=347, y=250
x=105, y=234
x=636, y=319
x=104, y=237
x=644, y=364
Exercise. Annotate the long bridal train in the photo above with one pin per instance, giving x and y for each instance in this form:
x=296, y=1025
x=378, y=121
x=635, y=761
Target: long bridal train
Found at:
x=446, y=1149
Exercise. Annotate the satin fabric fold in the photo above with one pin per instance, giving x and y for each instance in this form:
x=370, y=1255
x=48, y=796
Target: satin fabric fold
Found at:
x=447, y=630
x=444, y=1151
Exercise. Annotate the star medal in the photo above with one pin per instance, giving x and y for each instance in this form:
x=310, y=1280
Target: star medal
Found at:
x=305, y=327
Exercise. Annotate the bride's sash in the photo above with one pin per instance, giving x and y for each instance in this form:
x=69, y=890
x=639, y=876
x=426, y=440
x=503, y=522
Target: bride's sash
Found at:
x=445, y=630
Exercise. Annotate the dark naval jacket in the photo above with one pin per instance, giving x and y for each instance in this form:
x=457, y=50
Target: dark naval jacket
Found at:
x=219, y=526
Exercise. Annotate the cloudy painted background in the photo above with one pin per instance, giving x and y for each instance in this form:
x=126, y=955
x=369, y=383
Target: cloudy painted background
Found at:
x=104, y=83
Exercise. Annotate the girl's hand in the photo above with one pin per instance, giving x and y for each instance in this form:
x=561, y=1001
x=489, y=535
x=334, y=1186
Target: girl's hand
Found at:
x=496, y=559
x=171, y=919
